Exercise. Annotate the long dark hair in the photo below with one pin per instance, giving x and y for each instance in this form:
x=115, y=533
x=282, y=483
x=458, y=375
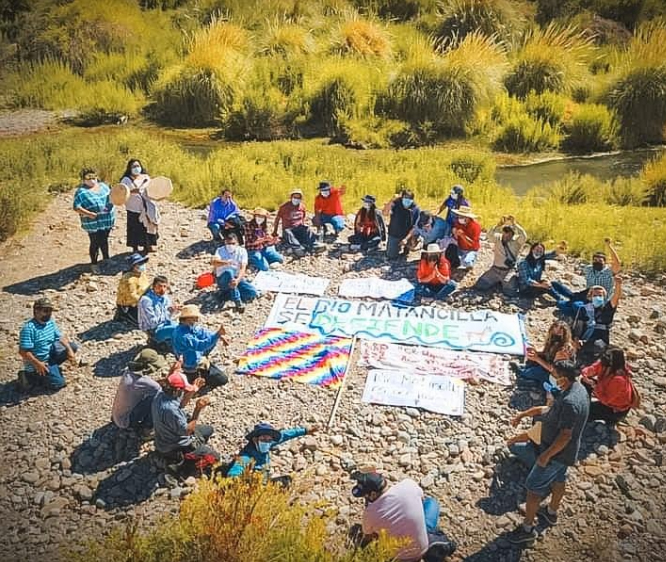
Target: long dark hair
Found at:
x=530, y=255
x=613, y=359
x=128, y=168
x=371, y=213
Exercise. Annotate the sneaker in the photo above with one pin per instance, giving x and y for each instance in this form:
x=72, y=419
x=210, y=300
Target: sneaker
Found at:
x=520, y=536
x=439, y=550
x=299, y=252
x=551, y=518
x=240, y=307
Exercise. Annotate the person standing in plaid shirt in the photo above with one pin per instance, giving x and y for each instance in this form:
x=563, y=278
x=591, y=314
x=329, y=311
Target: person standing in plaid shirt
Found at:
x=259, y=244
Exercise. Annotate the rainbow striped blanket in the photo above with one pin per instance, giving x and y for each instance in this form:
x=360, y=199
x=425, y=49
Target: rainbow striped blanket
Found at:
x=279, y=354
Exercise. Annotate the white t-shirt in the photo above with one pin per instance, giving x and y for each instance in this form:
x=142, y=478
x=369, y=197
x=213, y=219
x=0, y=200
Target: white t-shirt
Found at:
x=399, y=511
x=135, y=203
x=236, y=254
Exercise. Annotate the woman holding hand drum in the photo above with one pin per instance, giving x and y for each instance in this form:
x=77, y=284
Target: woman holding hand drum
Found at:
x=136, y=178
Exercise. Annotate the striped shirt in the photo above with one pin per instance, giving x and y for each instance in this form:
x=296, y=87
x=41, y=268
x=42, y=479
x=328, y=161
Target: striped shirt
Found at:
x=603, y=278
x=96, y=202
x=38, y=339
x=170, y=423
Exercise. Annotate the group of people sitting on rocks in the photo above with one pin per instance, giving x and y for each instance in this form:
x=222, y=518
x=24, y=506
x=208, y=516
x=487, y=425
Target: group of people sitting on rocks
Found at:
x=584, y=375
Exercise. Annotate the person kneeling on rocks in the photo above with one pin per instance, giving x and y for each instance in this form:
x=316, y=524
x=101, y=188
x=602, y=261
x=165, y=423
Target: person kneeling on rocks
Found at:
x=230, y=262
x=369, y=227
x=404, y=512
x=43, y=349
x=256, y=455
x=155, y=310
x=562, y=424
x=132, y=286
x=177, y=438
x=434, y=274
x=193, y=343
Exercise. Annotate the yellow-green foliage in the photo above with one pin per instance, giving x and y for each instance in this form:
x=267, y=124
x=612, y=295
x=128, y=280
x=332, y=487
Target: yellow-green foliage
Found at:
x=362, y=37
x=236, y=520
x=653, y=177
x=553, y=58
x=524, y=133
x=547, y=106
x=285, y=39
x=592, y=128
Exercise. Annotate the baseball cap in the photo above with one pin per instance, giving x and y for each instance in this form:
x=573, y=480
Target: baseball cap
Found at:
x=367, y=482
x=147, y=360
x=179, y=381
x=43, y=302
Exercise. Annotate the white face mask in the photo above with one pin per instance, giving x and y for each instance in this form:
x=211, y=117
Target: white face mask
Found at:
x=136, y=170
x=367, y=206
x=260, y=220
x=454, y=195
x=295, y=202
x=325, y=192
x=462, y=221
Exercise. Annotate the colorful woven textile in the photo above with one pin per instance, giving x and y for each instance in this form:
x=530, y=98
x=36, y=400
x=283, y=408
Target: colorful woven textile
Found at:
x=310, y=358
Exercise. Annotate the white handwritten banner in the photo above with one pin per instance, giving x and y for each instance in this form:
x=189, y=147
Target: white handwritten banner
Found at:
x=377, y=288
x=435, y=393
x=481, y=330
x=281, y=282
x=419, y=360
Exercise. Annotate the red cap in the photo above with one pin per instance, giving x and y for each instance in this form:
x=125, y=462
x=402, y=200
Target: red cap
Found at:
x=179, y=380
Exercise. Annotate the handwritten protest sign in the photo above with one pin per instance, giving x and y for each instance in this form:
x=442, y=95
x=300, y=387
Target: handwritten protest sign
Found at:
x=435, y=393
x=281, y=282
x=434, y=361
x=481, y=330
x=377, y=288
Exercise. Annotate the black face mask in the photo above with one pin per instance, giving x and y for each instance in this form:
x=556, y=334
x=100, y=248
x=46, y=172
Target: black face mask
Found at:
x=556, y=339
x=597, y=266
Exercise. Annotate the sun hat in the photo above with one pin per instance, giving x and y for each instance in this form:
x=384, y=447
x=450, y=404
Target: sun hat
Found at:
x=136, y=259
x=147, y=361
x=433, y=249
x=43, y=302
x=190, y=311
x=263, y=428
x=296, y=191
x=367, y=482
x=260, y=212
x=179, y=381
x=464, y=211
x=324, y=185
x=369, y=199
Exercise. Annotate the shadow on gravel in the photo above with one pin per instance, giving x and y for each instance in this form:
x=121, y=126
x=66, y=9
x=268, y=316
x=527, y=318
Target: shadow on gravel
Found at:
x=104, y=330
x=12, y=395
x=208, y=301
x=130, y=484
x=113, y=365
x=497, y=549
x=200, y=247
x=107, y=446
x=506, y=490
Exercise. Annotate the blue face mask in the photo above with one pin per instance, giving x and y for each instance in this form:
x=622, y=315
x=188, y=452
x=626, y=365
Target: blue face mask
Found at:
x=264, y=446
x=407, y=202
x=597, y=302
x=136, y=170
x=142, y=267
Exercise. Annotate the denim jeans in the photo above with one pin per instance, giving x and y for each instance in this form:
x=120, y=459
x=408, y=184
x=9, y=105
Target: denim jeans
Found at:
x=393, y=247
x=566, y=298
x=244, y=291
x=540, y=479
x=299, y=237
x=215, y=229
x=336, y=221
x=54, y=379
x=438, y=231
x=164, y=331
x=365, y=242
x=261, y=259
x=431, y=511
x=141, y=415
x=534, y=372
x=439, y=292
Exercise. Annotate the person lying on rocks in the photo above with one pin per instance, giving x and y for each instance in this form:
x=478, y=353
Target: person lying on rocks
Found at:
x=155, y=312
x=593, y=320
x=598, y=273
x=369, y=227
x=434, y=274
x=562, y=424
x=193, y=343
x=131, y=287
x=531, y=269
x=430, y=228
x=609, y=383
x=328, y=208
x=230, y=262
x=404, y=215
x=43, y=348
x=455, y=200
x=220, y=210
x=559, y=346
x=136, y=390
x=259, y=243
x=508, y=239
x=403, y=512
x=256, y=455
x=180, y=439
x=295, y=233
x=463, y=246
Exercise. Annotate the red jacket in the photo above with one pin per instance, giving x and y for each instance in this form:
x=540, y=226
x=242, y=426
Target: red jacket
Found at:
x=427, y=268
x=471, y=237
x=611, y=389
x=331, y=205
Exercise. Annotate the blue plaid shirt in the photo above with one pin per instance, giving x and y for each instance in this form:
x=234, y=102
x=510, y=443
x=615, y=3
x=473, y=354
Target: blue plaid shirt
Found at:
x=96, y=202
x=603, y=278
x=529, y=274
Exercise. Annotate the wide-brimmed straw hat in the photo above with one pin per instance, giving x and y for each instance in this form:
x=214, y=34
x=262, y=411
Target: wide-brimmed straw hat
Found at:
x=260, y=212
x=464, y=211
x=190, y=311
x=433, y=249
x=296, y=191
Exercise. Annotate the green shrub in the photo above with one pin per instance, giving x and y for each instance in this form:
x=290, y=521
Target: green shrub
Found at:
x=625, y=192
x=401, y=10
x=505, y=107
x=548, y=107
x=361, y=37
x=592, y=129
x=285, y=39
x=459, y=18
x=259, y=115
x=372, y=132
x=653, y=177
x=17, y=206
x=335, y=101
x=523, y=133
x=472, y=166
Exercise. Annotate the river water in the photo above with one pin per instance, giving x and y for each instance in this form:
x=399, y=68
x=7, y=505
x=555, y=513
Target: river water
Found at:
x=603, y=167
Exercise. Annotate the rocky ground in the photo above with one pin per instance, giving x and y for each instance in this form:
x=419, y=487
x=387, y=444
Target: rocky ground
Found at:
x=67, y=475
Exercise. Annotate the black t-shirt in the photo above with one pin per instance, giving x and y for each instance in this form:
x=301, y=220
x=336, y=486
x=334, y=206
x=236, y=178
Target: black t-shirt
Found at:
x=402, y=220
x=603, y=316
x=569, y=411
